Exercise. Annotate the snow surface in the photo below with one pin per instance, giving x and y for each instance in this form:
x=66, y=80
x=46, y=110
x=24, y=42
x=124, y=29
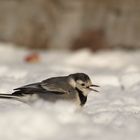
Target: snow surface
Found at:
x=114, y=113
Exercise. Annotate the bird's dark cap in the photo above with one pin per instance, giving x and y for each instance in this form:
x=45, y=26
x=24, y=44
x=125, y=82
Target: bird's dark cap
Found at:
x=80, y=76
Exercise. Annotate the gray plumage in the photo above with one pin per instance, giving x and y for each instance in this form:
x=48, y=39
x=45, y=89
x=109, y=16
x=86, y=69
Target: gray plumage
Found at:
x=74, y=87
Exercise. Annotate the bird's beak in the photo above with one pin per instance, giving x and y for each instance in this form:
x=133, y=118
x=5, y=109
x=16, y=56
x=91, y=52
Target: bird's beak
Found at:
x=94, y=85
x=93, y=89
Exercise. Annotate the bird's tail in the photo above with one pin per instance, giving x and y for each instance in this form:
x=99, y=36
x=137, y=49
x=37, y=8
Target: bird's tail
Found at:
x=10, y=96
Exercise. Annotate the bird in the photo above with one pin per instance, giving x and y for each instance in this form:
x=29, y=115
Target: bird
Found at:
x=73, y=87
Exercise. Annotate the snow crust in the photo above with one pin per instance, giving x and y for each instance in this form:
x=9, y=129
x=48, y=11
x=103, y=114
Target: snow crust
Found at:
x=114, y=113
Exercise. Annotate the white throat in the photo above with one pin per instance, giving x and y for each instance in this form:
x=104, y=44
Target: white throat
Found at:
x=85, y=92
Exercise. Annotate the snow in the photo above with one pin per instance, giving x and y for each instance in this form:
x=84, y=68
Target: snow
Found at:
x=114, y=113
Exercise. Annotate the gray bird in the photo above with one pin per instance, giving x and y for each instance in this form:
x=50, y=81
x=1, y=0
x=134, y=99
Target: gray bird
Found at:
x=74, y=87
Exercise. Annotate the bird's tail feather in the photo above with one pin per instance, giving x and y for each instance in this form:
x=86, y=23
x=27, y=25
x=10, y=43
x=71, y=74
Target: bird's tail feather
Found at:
x=10, y=96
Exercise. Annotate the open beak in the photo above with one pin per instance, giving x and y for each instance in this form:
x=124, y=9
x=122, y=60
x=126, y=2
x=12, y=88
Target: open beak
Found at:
x=94, y=89
x=95, y=86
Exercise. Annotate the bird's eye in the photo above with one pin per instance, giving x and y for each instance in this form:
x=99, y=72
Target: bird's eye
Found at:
x=83, y=84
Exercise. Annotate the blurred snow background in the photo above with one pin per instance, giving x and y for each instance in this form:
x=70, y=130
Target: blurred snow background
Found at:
x=114, y=113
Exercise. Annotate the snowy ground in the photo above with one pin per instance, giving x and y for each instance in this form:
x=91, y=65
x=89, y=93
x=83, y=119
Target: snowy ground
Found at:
x=114, y=113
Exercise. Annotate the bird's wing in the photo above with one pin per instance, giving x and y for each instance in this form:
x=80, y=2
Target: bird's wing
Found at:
x=38, y=88
x=30, y=86
x=53, y=87
x=57, y=86
x=29, y=89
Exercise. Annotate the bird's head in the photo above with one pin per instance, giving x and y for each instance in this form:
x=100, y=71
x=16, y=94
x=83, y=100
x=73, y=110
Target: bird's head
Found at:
x=82, y=82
